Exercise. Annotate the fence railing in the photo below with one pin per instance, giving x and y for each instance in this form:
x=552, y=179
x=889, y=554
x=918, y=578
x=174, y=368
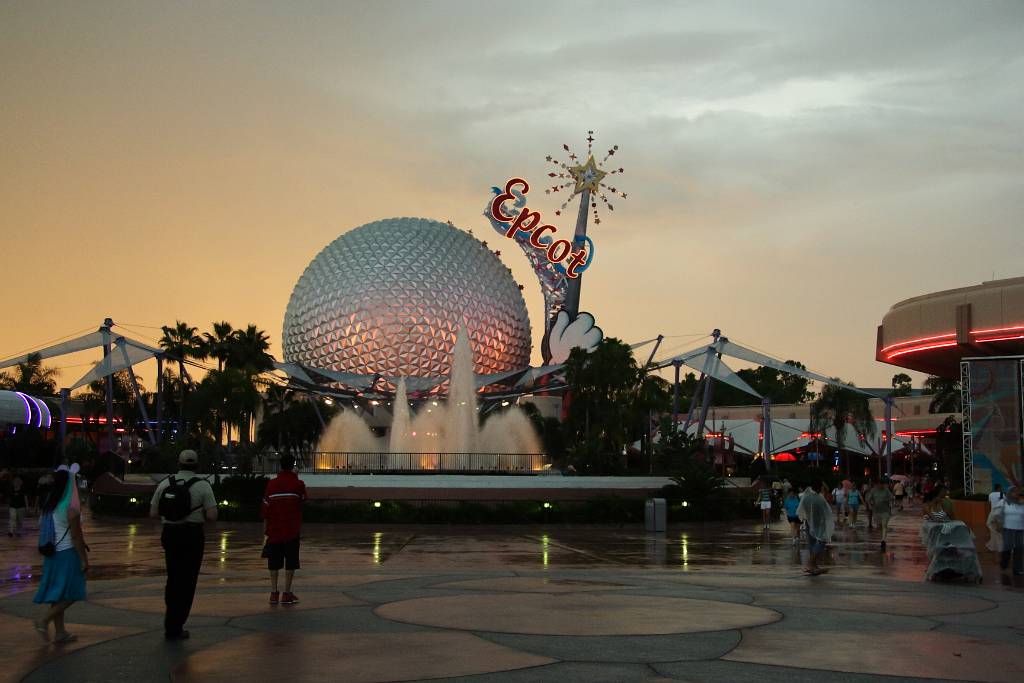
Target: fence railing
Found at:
x=351, y=463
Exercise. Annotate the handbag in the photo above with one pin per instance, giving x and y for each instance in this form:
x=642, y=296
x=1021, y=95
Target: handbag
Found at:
x=47, y=546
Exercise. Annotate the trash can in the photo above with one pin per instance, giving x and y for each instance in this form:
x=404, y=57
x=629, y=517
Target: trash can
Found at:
x=655, y=512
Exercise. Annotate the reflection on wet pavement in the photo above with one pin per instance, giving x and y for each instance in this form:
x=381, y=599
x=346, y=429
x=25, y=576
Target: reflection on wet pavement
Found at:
x=128, y=548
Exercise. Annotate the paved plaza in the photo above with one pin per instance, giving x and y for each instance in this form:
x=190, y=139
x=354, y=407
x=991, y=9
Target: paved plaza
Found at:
x=522, y=605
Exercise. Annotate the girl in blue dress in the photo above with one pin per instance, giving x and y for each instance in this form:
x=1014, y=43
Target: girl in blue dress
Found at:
x=63, y=581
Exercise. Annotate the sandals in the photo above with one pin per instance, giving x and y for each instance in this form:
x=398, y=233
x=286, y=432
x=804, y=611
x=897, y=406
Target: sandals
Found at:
x=42, y=629
x=64, y=638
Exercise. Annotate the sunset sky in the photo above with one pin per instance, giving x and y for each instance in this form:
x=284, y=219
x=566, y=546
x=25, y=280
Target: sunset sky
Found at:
x=793, y=168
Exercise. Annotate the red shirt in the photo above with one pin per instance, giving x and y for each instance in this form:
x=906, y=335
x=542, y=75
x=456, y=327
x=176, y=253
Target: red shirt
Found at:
x=282, y=506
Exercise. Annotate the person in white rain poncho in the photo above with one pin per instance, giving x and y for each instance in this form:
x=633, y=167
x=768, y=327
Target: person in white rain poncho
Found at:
x=816, y=513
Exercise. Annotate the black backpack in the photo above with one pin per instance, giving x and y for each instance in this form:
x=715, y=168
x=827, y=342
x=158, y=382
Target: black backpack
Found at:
x=175, y=502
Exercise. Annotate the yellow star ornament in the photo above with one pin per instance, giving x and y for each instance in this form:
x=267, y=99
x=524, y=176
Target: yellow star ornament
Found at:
x=587, y=176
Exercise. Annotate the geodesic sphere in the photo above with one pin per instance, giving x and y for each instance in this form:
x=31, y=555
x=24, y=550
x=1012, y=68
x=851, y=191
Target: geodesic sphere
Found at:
x=389, y=297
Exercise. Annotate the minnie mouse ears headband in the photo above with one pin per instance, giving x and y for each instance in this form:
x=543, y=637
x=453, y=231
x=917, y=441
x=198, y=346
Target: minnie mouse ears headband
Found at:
x=75, y=467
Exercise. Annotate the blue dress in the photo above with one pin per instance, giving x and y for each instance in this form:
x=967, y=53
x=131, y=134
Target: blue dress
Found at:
x=63, y=579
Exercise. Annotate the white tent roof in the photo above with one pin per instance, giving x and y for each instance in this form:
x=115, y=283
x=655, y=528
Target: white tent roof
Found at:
x=789, y=434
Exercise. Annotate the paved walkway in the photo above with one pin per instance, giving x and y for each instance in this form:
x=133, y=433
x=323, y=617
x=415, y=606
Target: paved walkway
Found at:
x=522, y=604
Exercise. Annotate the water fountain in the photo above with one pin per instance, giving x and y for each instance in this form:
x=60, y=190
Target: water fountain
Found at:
x=440, y=436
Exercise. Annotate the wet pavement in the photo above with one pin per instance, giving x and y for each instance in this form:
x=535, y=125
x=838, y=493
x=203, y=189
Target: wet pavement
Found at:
x=716, y=602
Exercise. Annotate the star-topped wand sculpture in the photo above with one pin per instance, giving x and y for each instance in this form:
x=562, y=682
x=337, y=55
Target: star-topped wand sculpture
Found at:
x=584, y=178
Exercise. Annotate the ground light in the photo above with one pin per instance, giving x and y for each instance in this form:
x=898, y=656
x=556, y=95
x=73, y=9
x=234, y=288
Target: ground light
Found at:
x=547, y=506
x=376, y=503
x=133, y=500
x=224, y=503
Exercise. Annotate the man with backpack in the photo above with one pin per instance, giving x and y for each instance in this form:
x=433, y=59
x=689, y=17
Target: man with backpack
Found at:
x=184, y=502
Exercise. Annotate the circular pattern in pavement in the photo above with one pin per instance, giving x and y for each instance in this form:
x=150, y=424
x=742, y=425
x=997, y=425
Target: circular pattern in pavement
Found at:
x=576, y=614
x=351, y=657
x=903, y=605
x=534, y=584
x=226, y=604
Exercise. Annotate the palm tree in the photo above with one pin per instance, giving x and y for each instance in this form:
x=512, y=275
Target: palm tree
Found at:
x=217, y=344
x=122, y=396
x=838, y=406
x=31, y=377
x=945, y=394
x=180, y=343
x=248, y=351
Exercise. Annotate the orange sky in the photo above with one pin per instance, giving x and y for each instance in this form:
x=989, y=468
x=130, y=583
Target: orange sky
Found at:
x=165, y=162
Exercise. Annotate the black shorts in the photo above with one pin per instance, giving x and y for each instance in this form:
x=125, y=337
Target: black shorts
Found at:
x=284, y=554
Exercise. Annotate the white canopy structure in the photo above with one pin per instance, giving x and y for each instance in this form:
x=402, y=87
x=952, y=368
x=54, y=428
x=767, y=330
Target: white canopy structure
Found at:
x=119, y=353
x=708, y=360
x=789, y=434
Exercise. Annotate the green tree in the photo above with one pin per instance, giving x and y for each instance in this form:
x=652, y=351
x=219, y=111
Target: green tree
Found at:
x=675, y=447
x=122, y=397
x=289, y=425
x=181, y=343
x=248, y=353
x=653, y=397
x=780, y=387
x=227, y=396
x=602, y=385
x=31, y=377
x=217, y=343
x=945, y=394
x=838, y=406
x=901, y=384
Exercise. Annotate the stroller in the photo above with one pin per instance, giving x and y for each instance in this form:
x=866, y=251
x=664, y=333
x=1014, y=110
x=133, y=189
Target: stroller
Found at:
x=951, y=552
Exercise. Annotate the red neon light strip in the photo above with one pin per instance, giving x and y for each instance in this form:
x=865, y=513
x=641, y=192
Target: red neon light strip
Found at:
x=992, y=339
x=917, y=341
x=920, y=348
x=998, y=329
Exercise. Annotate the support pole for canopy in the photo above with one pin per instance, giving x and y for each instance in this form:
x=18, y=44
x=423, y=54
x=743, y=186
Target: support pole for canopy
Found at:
x=160, y=398
x=105, y=329
x=693, y=402
x=888, y=435
x=709, y=393
x=64, y=393
x=138, y=398
x=675, y=394
x=766, y=432
x=650, y=358
x=709, y=386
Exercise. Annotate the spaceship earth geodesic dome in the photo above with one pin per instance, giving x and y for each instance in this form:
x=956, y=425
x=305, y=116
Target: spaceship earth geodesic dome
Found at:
x=389, y=297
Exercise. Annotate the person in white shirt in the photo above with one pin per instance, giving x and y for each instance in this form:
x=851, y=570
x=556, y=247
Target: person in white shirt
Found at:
x=1013, y=532
x=994, y=521
x=996, y=499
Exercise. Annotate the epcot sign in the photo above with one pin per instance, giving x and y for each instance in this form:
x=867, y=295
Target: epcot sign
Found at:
x=530, y=223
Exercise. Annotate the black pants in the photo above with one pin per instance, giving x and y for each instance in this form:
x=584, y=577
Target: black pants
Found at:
x=183, y=552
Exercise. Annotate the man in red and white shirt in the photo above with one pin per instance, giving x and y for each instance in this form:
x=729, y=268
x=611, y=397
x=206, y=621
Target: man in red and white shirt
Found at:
x=282, y=514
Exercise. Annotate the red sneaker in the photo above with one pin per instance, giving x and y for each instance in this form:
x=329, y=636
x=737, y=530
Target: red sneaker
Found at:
x=289, y=599
x=275, y=598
